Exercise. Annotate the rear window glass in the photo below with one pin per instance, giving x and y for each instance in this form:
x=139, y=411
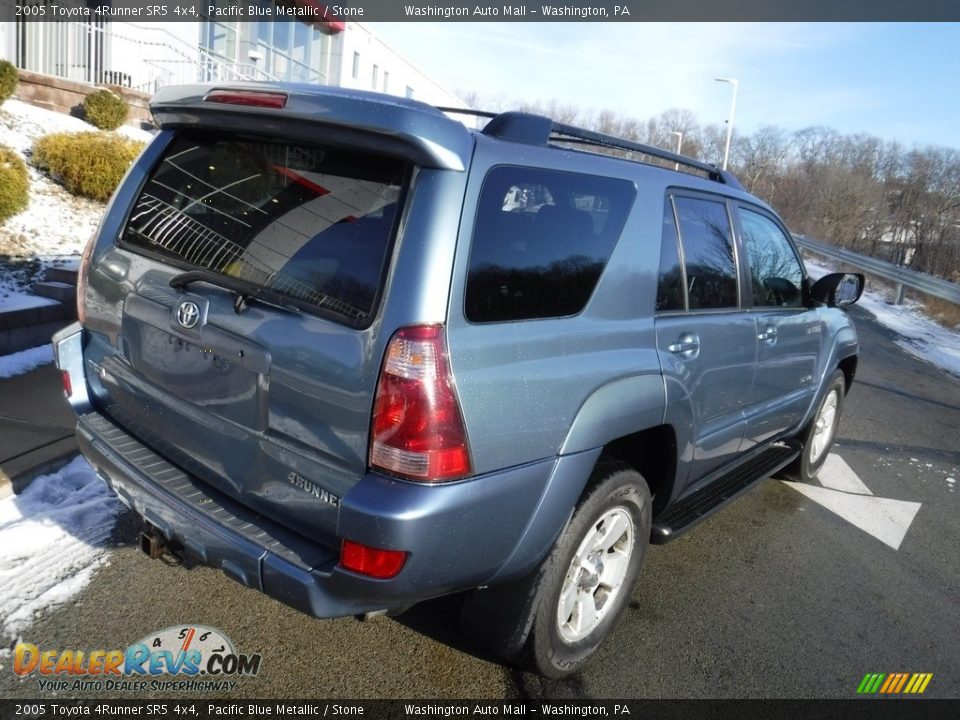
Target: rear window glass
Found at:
x=541, y=241
x=310, y=223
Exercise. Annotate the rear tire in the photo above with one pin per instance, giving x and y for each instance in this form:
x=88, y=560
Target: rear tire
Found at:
x=817, y=438
x=577, y=593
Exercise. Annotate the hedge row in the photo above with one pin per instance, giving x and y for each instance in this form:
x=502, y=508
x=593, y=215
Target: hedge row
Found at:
x=8, y=80
x=14, y=183
x=105, y=110
x=90, y=164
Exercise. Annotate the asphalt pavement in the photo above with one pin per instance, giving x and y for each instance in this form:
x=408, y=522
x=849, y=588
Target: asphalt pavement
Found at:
x=774, y=597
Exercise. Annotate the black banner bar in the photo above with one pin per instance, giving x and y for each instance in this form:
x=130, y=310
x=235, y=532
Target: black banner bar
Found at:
x=185, y=708
x=145, y=11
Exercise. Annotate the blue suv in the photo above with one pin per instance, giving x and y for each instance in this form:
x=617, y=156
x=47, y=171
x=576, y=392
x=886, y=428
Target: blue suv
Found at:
x=358, y=355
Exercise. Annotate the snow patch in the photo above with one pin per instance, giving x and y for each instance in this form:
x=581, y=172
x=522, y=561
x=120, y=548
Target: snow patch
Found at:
x=11, y=300
x=920, y=336
x=52, y=539
x=25, y=360
x=55, y=222
x=24, y=123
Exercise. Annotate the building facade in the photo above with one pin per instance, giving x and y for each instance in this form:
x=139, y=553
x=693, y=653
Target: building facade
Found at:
x=148, y=56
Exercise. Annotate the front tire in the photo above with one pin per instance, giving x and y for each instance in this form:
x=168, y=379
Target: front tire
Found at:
x=590, y=573
x=818, y=437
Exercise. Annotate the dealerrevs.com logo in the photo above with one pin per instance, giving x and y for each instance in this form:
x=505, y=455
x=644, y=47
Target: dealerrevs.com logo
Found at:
x=200, y=659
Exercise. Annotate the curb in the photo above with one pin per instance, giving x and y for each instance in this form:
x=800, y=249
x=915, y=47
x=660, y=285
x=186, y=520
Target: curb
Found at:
x=23, y=469
x=29, y=327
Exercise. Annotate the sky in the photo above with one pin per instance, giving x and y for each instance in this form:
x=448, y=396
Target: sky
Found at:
x=897, y=81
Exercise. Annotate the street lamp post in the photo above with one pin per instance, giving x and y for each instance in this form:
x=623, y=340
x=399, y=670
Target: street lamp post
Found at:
x=733, y=108
x=679, y=135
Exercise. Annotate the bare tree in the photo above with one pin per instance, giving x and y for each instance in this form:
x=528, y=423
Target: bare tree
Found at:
x=855, y=191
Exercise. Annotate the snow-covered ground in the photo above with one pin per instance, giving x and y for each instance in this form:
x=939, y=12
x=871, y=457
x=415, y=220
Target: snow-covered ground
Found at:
x=52, y=538
x=920, y=336
x=55, y=224
x=25, y=360
x=19, y=300
x=53, y=534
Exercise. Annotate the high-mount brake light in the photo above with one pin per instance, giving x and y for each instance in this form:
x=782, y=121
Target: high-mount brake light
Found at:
x=277, y=101
x=418, y=431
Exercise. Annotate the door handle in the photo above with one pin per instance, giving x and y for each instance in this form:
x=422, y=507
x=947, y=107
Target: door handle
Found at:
x=769, y=335
x=686, y=346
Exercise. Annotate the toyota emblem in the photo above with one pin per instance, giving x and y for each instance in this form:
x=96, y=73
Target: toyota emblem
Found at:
x=188, y=314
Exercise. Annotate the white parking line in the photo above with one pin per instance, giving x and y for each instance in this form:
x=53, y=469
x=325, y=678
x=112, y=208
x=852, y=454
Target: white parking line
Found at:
x=845, y=494
x=837, y=475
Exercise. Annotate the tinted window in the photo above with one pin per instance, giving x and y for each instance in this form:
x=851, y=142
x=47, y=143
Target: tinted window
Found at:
x=670, y=290
x=310, y=223
x=708, y=253
x=774, y=269
x=541, y=241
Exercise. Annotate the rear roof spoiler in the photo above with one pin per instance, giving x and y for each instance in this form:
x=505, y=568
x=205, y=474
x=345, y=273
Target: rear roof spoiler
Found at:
x=397, y=126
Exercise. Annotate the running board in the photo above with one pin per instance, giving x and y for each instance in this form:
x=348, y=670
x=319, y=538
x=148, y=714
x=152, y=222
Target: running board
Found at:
x=694, y=508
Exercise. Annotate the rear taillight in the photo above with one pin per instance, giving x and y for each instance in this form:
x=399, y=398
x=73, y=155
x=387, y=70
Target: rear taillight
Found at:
x=418, y=431
x=248, y=98
x=67, y=384
x=82, y=279
x=373, y=562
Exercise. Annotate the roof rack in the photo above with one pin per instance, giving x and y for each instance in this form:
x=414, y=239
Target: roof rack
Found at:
x=540, y=130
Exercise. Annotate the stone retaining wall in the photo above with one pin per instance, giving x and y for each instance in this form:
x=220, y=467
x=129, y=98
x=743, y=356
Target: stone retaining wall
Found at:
x=66, y=96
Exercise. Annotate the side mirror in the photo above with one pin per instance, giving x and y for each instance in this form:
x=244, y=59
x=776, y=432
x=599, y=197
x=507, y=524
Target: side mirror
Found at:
x=837, y=289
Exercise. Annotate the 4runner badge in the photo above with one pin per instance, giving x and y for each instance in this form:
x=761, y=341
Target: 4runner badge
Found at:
x=188, y=314
x=312, y=488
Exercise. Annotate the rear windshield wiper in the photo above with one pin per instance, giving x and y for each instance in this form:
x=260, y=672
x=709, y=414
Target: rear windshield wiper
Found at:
x=245, y=291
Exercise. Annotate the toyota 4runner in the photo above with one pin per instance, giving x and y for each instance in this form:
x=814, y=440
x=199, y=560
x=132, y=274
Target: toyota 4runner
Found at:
x=358, y=355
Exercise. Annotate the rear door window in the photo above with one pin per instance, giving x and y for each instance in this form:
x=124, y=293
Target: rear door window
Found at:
x=310, y=223
x=541, y=240
x=711, y=272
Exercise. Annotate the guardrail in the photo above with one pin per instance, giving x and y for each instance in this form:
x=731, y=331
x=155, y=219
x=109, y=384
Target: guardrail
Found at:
x=903, y=277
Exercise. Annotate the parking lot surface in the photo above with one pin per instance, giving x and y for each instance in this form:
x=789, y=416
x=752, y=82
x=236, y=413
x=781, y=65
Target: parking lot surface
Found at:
x=777, y=595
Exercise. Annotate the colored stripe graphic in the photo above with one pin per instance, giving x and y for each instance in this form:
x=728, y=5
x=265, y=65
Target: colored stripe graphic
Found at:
x=922, y=682
x=894, y=683
x=870, y=683
x=891, y=682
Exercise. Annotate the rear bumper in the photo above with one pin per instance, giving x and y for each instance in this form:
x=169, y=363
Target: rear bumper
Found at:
x=68, y=354
x=457, y=535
